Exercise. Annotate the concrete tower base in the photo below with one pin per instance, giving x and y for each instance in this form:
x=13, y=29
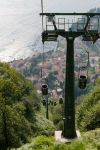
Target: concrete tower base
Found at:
x=61, y=139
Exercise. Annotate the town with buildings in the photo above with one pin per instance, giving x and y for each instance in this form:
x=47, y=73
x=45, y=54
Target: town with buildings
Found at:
x=51, y=70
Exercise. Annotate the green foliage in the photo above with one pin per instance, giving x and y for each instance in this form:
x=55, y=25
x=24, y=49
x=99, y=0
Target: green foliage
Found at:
x=18, y=103
x=42, y=142
x=44, y=126
x=91, y=119
x=89, y=141
x=15, y=126
x=92, y=139
x=77, y=145
x=88, y=112
x=48, y=143
x=57, y=116
x=97, y=81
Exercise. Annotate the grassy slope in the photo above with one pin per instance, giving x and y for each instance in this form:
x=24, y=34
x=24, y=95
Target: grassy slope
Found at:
x=89, y=141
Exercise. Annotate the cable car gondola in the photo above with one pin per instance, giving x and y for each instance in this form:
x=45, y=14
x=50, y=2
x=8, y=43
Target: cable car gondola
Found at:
x=44, y=89
x=82, y=81
x=44, y=102
x=60, y=100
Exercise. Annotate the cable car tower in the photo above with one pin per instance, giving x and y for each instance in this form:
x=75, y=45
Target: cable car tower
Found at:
x=55, y=25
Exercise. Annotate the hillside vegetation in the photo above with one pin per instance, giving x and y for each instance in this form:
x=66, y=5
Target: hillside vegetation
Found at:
x=19, y=106
x=88, y=111
x=89, y=141
x=87, y=120
x=22, y=117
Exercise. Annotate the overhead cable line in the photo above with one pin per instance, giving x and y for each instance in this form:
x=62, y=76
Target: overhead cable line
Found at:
x=42, y=12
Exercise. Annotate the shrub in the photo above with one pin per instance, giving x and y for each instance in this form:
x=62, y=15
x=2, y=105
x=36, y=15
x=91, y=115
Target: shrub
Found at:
x=44, y=126
x=88, y=111
x=58, y=116
x=41, y=143
x=91, y=118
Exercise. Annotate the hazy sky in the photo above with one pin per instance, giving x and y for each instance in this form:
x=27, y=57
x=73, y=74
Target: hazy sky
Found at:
x=20, y=23
x=49, y=5
x=70, y=5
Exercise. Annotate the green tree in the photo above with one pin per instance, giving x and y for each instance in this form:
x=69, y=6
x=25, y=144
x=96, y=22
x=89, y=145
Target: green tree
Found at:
x=18, y=104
